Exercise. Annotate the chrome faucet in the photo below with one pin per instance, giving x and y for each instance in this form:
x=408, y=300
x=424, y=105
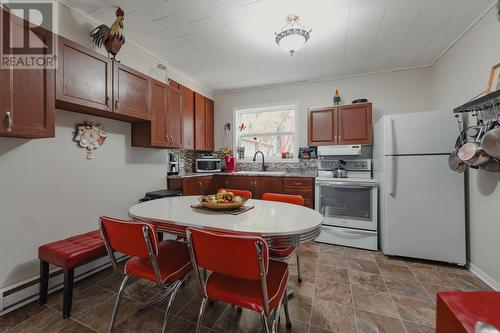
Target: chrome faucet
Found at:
x=264, y=167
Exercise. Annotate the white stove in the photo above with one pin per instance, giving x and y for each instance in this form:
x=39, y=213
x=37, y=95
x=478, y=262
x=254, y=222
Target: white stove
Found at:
x=348, y=205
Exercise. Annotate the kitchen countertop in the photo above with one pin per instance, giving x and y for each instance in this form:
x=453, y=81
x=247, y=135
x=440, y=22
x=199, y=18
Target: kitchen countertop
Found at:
x=307, y=174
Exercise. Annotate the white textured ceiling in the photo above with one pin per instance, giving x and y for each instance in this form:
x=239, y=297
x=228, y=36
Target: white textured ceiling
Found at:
x=229, y=44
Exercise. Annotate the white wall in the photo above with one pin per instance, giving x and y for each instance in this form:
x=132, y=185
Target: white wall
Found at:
x=394, y=92
x=48, y=190
x=457, y=77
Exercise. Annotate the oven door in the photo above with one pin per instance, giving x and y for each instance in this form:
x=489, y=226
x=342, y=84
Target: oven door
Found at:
x=347, y=204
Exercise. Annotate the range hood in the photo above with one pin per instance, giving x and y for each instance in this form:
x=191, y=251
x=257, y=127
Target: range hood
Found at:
x=353, y=150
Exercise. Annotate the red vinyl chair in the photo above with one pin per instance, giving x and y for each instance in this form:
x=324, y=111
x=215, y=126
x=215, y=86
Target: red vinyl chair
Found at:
x=283, y=253
x=242, y=274
x=166, y=263
x=241, y=193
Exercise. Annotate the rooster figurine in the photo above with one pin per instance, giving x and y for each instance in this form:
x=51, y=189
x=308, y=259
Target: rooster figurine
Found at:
x=113, y=37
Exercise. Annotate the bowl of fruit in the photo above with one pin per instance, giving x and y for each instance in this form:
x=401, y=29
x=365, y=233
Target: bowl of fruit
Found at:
x=223, y=201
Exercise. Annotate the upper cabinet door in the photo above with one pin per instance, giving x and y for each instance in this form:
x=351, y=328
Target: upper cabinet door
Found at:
x=5, y=101
x=174, y=120
x=209, y=124
x=187, y=117
x=322, y=127
x=27, y=96
x=158, y=115
x=355, y=124
x=199, y=122
x=83, y=77
x=130, y=92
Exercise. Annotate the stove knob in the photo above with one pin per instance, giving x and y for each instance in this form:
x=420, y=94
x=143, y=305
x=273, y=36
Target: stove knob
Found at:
x=357, y=165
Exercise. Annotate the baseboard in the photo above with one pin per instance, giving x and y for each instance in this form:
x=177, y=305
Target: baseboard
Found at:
x=484, y=277
x=25, y=292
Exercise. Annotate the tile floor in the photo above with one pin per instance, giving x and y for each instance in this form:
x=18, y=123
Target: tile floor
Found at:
x=343, y=290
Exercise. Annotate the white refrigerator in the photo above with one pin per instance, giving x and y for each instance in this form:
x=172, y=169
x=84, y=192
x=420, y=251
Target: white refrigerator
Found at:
x=421, y=201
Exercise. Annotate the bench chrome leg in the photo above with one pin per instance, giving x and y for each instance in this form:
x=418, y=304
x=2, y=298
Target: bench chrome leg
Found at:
x=43, y=282
x=69, y=275
x=117, y=303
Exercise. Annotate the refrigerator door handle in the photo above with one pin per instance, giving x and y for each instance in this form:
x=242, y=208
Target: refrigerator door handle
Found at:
x=391, y=176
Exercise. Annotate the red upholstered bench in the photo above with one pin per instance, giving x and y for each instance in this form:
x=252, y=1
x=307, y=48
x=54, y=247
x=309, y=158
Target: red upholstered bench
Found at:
x=68, y=254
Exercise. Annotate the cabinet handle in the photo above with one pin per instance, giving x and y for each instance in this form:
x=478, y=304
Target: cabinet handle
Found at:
x=8, y=115
x=116, y=105
x=226, y=183
x=107, y=101
x=297, y=184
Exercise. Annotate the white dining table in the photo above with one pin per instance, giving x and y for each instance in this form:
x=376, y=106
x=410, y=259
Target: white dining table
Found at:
x=280, y=224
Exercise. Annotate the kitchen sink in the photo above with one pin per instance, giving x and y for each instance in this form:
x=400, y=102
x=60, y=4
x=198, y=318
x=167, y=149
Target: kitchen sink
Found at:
x=260, y=173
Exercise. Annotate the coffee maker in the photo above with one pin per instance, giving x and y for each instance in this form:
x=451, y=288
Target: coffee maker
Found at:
x=172, y=164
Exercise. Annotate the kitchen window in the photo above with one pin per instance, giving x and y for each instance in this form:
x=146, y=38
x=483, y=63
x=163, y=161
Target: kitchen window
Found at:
x=271, y=130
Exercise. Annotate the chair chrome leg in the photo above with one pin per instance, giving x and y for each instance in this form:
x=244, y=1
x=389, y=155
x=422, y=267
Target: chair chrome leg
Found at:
x=299, y=278
x=157, y=299
x=117, y=303
x=170, y=302
x=287, y=315
x=264, y=323
x=277, y=316
x=200, y=315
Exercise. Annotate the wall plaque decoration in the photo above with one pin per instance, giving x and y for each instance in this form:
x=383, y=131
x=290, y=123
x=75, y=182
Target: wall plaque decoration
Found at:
x=90, y=137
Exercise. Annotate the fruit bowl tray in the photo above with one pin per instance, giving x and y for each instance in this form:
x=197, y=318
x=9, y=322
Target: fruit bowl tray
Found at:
x=223, y=205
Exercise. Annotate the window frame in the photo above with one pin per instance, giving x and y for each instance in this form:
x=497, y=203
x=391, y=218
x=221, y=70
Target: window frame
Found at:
x=266, y=108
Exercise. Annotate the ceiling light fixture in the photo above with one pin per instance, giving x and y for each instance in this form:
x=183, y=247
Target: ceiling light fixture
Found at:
x=293, y=35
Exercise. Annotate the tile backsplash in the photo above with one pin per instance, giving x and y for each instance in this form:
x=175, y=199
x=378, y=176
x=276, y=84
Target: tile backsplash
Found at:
x=296, y=167
x=187, y=160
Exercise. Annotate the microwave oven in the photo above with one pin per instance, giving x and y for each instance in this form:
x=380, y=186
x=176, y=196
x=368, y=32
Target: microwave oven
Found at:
x=211, y=164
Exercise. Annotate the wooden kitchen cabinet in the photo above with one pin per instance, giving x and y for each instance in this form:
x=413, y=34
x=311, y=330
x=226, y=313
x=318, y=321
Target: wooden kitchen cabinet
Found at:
x=130, y=92
x=187, y=117
x=165, y=128
x=153, y=134
x=197, y=186
x=88, y=82
x=27, y=98
x=204, y=122
x=258, y=185
x=343, y=125
x=247, y=183
x=299, y=186
x=174, y=118
x=199, y=121
x=83, y=79
x=267, y=185
x=355, y=124
x=209, y=124
x=322, y=127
